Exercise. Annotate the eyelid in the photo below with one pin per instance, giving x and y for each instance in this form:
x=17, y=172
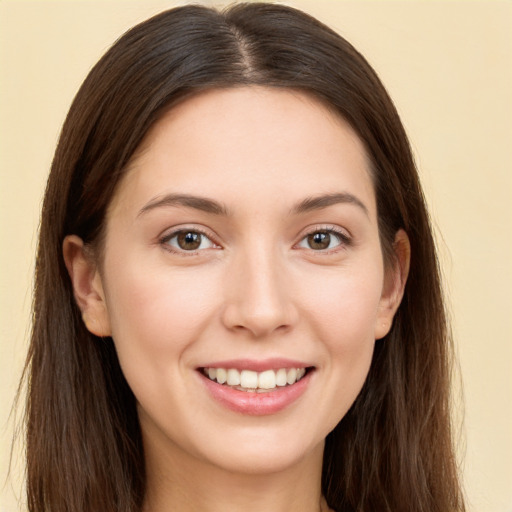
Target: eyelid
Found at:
x=172, y=232
x=342, y=234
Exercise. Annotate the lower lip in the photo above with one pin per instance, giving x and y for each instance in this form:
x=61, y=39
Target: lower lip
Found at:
x=257, y=404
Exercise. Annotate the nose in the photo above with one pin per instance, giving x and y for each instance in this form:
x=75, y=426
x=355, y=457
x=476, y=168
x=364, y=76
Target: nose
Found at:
x=259, y=296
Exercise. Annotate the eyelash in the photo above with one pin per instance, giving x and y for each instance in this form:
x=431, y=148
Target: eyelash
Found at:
x=343, y=238
x=164, y=241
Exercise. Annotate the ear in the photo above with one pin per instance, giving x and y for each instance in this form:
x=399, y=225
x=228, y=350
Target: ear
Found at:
x=394, y=284
x=87, y=285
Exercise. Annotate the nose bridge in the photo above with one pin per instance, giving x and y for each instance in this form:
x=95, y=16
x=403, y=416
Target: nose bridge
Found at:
x=258, y=298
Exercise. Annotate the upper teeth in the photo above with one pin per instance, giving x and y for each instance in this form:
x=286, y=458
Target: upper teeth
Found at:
x=248, y=379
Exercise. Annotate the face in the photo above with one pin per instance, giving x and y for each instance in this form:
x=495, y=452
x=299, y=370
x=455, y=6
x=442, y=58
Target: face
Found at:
x=242, y=278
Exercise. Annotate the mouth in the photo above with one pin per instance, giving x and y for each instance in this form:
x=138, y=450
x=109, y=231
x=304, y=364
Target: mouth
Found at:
x=257, y=388
x=256, y=382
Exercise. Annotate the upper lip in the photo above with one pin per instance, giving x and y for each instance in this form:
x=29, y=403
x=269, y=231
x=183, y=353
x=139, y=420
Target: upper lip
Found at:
x=257, y=365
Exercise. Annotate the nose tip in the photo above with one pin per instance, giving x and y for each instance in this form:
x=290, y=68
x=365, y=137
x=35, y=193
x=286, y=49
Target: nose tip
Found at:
x=259, y=303
x=260, y=320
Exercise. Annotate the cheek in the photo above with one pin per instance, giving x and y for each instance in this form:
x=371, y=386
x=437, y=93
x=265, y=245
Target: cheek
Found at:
x=342, y=311
x=157, y=313
x=344, y=304
x=156, y=316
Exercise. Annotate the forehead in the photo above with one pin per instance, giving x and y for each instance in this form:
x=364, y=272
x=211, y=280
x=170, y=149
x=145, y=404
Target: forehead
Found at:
x=248, y=141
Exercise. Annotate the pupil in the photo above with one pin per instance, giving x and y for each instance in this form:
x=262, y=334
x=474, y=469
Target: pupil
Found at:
x=320, y=240
x=189, y=241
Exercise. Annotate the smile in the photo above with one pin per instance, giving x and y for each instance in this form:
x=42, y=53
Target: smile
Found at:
x=255, y=382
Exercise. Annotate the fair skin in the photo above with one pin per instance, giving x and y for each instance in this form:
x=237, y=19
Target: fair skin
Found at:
x=280, y=270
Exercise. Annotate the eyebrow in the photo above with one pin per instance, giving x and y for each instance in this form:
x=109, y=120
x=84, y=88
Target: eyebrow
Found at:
x=214, y=207
x=198, y=203
x=326, y=200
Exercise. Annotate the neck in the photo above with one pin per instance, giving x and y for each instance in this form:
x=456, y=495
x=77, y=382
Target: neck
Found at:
x=178, y=481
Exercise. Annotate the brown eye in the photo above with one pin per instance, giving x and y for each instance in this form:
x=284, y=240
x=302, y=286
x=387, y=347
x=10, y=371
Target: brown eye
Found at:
x=319, y=240
x=324, y=239
x=188, y=241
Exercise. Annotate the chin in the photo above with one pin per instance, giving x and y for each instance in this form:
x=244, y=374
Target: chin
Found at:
x=271, y=449
x=270, y=459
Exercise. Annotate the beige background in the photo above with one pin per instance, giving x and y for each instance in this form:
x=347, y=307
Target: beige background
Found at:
x=447, y=64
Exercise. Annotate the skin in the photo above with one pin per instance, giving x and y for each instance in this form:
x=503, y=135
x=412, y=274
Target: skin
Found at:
x=254, y=289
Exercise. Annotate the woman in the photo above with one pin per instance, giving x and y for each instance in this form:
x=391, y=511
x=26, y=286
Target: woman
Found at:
x=237, y=300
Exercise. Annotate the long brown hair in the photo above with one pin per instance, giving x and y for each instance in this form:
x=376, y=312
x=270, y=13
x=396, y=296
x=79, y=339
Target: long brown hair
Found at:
x=393, y=449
